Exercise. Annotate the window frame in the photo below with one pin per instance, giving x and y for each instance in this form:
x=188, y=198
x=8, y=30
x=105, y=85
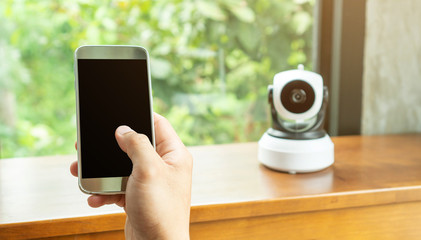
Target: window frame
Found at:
x=340, y=30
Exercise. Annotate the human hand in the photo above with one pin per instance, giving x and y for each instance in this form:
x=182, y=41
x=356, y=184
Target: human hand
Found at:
x=158, y=193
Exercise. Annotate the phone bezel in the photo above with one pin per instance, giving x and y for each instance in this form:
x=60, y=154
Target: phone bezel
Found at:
x=108, y=185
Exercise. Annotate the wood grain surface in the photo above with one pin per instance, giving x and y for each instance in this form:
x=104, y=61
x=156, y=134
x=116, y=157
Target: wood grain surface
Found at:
x=373, y=189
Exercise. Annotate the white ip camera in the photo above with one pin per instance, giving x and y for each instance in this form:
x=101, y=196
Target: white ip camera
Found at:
x=297, y=142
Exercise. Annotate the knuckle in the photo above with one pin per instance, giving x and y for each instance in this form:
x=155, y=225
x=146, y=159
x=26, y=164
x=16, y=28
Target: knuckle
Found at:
x=135, y=143
x=136, y=140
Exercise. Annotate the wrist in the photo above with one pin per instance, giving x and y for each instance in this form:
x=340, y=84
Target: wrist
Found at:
x=151, y=235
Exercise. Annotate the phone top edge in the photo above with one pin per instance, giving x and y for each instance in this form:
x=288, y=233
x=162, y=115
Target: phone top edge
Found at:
x=111, y=52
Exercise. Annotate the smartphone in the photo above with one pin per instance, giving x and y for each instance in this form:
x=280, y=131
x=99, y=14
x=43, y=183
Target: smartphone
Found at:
x=113, y=88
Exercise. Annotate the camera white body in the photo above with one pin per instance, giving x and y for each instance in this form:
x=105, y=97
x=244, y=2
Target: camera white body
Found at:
x=297, y=142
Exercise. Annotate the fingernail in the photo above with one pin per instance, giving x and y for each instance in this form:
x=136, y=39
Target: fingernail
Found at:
x=123, y=130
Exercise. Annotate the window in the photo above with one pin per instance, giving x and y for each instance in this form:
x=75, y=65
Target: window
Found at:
x=211, y=64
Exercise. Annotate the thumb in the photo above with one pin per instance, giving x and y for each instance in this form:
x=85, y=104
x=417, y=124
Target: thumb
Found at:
x=138, y=148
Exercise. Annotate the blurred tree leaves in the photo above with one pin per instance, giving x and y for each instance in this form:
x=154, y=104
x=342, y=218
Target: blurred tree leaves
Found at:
x=211, y=62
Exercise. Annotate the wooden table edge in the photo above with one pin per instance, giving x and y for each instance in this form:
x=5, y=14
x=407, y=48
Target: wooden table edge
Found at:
x=216, y=212
x=322, y=202
x=60, y=227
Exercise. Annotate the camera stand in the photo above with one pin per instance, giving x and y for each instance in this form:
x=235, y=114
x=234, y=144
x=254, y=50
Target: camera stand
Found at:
x=296, y=156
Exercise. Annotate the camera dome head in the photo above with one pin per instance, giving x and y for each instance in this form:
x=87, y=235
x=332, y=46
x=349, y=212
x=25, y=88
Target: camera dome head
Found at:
x=298, y=103
x=297, y=94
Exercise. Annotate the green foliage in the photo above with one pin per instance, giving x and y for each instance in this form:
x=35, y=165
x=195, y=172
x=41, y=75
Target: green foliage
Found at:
x=211, y=62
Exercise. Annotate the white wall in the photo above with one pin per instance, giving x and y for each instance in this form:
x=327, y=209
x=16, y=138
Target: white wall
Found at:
x=392, y=67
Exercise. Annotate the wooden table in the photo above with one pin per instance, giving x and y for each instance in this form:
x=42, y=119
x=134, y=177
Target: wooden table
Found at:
x=373, y=191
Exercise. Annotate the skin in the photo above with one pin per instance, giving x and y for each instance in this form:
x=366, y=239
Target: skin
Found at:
x=158, y=194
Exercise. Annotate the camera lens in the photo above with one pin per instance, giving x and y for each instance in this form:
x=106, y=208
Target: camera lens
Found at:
x=297, y=96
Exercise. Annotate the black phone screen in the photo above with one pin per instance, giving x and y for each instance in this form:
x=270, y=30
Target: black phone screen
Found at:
x=112, y=92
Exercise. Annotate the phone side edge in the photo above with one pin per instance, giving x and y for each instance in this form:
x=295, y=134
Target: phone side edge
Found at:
x=78, y=143
x=150, y=95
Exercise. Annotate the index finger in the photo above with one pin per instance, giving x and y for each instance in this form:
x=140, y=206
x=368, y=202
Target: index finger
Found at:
x=73, y=168
x=168, y=145
x=165, y=136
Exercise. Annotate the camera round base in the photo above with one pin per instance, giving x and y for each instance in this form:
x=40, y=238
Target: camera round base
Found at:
x=296, y=156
